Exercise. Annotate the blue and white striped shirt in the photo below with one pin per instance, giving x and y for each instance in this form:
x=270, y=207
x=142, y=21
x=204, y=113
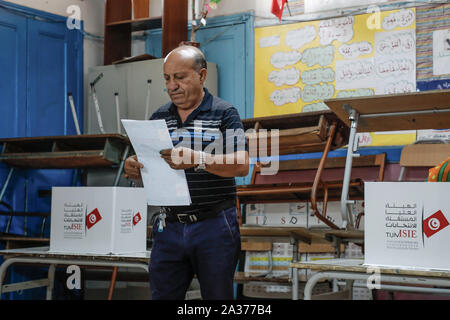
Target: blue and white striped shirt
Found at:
x=214, y=127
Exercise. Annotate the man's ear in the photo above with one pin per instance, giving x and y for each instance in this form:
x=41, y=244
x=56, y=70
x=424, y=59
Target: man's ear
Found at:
x=203, y=73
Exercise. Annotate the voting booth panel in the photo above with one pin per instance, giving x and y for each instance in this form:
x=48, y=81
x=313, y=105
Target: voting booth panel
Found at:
x=98, y=220
x=407, y=224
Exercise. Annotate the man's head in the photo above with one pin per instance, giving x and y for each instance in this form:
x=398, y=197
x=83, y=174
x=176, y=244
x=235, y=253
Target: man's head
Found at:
x=185, y=73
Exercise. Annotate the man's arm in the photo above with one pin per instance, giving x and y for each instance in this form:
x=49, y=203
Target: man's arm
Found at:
x=224, y=165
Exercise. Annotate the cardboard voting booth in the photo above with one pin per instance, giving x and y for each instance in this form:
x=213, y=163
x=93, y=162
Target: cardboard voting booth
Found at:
x=99, y=220
x=407, y=224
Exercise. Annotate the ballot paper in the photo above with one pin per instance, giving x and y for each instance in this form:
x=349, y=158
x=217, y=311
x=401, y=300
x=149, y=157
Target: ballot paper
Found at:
x=163, y=185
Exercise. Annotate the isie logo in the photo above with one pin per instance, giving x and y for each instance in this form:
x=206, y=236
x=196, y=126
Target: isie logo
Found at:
x=92, y=218
x=136, y=218
x=434, y=223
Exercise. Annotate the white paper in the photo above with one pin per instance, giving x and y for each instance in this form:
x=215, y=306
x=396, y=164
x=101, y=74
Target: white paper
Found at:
x=441, y=52
x=163, y=185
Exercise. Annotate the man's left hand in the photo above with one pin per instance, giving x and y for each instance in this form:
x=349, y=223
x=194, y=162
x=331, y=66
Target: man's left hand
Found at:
x=180, y=158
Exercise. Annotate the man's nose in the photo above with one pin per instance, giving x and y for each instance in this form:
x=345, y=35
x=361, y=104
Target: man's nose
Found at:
x=171, y=85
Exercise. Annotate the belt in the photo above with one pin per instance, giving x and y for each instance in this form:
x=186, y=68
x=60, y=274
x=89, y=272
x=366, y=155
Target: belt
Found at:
x=196, y=215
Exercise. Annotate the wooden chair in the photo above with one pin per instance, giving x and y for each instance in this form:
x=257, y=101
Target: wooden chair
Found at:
x=427, y=153
x=312, y=191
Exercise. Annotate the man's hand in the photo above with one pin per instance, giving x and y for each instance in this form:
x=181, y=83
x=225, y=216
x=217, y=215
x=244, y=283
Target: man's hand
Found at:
x=180, y=158
x=133, y=168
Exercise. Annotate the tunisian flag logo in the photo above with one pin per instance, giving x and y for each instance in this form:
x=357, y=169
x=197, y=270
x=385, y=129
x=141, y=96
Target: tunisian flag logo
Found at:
x=434, y=223
x=136, y=218
x=92, y=218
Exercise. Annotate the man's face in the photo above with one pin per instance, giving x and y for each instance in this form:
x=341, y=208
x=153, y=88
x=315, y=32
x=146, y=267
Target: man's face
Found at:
x=184, y=84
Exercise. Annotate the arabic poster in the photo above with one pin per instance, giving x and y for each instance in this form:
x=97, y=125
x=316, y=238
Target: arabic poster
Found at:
x=298, y=66
x=441, y=52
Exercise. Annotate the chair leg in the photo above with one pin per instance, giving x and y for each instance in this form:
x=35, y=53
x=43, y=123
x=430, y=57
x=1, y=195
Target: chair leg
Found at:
x=113, y=283
x=318, y=177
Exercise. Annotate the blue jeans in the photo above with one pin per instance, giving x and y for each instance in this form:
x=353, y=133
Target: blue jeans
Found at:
x=209, y=249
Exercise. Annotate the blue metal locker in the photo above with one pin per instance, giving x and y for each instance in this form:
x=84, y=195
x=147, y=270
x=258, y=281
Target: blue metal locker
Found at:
x=41, y=60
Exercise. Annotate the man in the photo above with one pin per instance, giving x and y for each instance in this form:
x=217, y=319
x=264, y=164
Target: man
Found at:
x=202, y=238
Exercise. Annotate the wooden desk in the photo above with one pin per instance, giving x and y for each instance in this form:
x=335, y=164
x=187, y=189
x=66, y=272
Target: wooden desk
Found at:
x=409, y=111
x=354, y=269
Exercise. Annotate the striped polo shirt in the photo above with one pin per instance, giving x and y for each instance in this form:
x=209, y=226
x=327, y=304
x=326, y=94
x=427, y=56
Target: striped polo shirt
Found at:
x=215, y=128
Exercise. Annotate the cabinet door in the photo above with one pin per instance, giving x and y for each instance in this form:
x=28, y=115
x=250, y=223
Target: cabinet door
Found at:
x=12, y=101
x=53, y=71
x=47, y=79
x=228, y=52
x=13, y=74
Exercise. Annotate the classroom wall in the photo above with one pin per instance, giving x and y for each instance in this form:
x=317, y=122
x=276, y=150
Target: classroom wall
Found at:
x=92, y=15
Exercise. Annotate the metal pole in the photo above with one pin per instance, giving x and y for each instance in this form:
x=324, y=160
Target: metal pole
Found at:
x=117, y=112
x=147, y=106
x=97, y=107
x=346, y=217
x=294, y=243
x=11, y=170
x=51, y=280
x=122, y=163
x=404, y=113
x=74, y=114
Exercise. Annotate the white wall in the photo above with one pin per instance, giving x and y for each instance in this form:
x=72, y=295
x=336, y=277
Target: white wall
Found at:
x=225, y=7
x=93, y=16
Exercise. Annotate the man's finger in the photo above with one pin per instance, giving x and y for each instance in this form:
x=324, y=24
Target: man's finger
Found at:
x=166, y=152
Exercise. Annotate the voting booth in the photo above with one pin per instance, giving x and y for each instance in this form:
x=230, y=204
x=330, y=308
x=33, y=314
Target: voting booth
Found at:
x=407, y=224
x=98, y=220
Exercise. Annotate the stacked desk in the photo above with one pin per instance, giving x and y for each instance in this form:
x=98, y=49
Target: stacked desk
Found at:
x=378, y=277
x=409, y=111
x=60, y=152
x=41, y=256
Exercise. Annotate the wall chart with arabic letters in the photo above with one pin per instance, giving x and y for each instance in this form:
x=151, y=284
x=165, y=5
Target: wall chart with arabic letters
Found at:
x=299, y=65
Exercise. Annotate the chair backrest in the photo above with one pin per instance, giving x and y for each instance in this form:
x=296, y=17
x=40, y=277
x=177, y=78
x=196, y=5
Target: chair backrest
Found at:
x=423, y=154
x=377, y=160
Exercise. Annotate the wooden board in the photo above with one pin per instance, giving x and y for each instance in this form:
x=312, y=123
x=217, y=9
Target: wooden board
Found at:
x=417, y=101
x=64, y=151
x=296, y=192
x=298, y=133
x=357, y=266
x=42, y=252
x=300, y=233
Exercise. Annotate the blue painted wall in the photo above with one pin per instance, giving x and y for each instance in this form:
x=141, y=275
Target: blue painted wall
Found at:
x=41, y=60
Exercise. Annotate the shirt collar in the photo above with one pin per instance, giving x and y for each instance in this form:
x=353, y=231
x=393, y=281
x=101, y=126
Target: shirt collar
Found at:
x=205, y=105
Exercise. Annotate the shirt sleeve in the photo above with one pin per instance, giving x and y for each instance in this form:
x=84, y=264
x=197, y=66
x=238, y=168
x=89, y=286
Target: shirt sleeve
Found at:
x=233, y=132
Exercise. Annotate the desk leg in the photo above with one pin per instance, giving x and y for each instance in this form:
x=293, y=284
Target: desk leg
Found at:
x=294, y=243
x=51, y=281
x=346, y=216
x=3, y=268
x=113, y=283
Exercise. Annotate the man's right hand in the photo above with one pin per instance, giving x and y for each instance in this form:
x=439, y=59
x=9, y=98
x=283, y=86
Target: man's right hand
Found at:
x=133, y=168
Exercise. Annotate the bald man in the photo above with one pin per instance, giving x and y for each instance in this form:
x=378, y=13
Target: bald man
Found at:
x=202, y=239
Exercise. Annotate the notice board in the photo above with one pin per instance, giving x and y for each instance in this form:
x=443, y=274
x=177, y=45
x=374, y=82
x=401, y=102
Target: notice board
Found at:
x=299, y=65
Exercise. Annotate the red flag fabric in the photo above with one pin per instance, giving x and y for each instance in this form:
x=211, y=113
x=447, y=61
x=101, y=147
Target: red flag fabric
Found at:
x=92, y=218
x=434, y=223
x=136, y=218
x=277, y=7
